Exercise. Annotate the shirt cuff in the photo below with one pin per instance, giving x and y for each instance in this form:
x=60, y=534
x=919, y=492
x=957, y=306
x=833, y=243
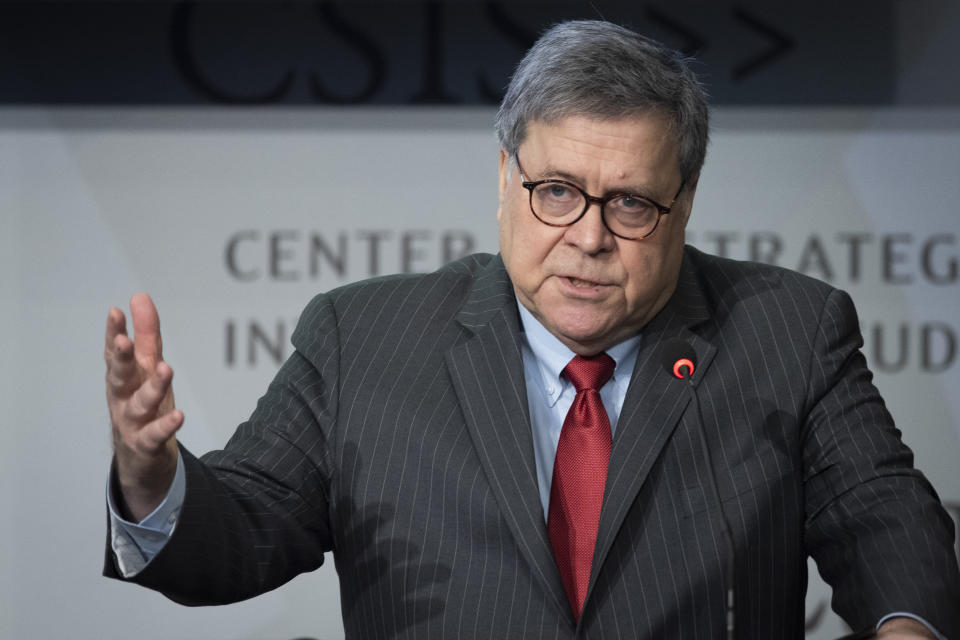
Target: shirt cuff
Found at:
x=135, y=544
x=903, y=614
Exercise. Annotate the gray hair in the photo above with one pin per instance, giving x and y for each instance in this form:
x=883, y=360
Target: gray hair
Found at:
x=601, y=70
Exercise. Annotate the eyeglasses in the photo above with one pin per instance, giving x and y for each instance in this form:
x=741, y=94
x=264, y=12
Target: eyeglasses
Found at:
x=559, y=203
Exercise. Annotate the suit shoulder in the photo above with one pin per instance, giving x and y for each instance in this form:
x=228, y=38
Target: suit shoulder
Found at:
x=451, y=279
x=729, y=278
x=384, y=299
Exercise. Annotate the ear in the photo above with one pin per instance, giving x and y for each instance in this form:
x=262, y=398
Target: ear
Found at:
x=685, y=201
x=503, y=178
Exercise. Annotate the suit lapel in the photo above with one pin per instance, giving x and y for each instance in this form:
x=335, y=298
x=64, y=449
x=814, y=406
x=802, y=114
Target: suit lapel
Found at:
x=487, y=373
x=652, y=408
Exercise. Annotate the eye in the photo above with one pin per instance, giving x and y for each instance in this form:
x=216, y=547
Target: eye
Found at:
x=633, y=205
x=558, y=191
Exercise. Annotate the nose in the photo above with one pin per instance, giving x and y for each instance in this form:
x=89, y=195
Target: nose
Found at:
x=590, y=233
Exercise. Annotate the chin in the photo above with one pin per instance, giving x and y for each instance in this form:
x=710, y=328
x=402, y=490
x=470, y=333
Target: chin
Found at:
x=583, y=332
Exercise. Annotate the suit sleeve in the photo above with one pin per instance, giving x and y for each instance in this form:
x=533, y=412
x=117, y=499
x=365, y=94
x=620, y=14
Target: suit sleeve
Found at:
x=256, y=514
x=874, y=525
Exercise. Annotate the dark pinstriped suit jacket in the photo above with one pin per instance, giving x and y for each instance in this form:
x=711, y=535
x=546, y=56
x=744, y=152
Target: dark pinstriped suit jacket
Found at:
x=398, y=437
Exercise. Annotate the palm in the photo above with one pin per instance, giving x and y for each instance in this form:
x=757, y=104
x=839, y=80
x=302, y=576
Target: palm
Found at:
x=142, y=411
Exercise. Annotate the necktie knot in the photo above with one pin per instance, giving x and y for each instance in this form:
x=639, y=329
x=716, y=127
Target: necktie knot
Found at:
x=589, y=373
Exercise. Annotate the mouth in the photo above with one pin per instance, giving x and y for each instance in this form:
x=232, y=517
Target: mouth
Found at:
x=582, y=283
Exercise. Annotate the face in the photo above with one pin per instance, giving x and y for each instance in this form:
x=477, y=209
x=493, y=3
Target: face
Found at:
x=588, y=287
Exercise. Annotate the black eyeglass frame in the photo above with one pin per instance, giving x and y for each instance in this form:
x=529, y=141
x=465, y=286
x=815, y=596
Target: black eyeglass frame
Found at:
x=530, y=185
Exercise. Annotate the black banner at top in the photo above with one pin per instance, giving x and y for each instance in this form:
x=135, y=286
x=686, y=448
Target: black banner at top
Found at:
x=421, y=52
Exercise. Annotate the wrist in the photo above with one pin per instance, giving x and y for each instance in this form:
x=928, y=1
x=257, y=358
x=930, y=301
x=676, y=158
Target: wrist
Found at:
x=137, y=493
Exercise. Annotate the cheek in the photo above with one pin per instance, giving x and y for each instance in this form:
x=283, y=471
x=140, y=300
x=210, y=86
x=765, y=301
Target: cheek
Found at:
x=506, y=235
x=651, y=273
x=526, y=250
x=518, y=241
x=644, y=271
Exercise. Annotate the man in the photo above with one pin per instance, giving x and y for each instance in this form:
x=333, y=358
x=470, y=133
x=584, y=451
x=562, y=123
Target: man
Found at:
x=494, y=450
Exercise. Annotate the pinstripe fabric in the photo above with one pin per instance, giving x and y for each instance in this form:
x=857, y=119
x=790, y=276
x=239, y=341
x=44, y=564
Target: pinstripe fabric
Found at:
x=397, y=437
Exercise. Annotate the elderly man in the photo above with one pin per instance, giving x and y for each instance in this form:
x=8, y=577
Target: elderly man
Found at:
x=495, y=450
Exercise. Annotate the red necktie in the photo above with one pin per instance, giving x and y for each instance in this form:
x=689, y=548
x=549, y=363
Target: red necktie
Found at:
x=579, y=475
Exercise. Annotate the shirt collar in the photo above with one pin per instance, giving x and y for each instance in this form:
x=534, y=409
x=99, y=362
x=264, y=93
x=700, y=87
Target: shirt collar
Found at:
x=552, y=356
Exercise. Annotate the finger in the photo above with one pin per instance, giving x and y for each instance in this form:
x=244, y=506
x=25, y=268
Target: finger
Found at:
x=148, y=347
x=123, y=377
x=146, y=400
x=116, y=325
x=155, y=435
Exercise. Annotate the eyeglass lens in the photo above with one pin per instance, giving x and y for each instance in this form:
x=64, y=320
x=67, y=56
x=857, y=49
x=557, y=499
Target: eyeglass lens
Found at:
x=560, y=203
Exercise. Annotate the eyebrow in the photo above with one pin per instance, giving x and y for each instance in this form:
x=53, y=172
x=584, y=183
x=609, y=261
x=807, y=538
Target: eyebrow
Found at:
x=551, y=173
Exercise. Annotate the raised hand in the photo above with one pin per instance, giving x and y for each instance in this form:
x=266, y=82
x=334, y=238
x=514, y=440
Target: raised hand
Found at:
x=142, y=413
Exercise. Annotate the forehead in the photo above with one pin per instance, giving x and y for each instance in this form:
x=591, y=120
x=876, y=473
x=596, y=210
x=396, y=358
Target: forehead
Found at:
x=638, y=150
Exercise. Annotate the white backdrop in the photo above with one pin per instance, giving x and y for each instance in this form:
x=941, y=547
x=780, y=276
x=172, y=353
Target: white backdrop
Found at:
x=98, y=204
